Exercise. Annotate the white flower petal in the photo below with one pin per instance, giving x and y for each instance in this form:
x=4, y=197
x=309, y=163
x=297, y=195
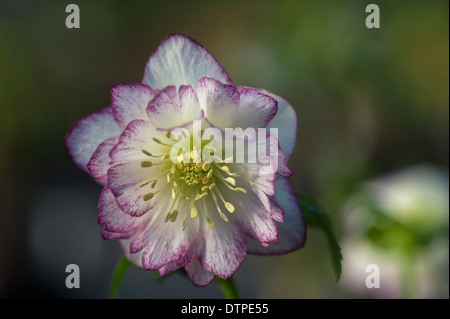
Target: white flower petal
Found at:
x=286, y=122
x=100, y=161
x=113, y=218
x=199, y=276
x=86, y=135
x=129, y=102
x=179, y=60
x=170, y=109
x=255, y=109
x=124, y=180
x=166, y=242
x=193, y=253
x=219, y=101
x=292, y=231
x=225, y=247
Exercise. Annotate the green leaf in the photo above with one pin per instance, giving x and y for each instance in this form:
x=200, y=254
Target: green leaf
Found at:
x=316, y=217
x=228, y=287
x=119, y=274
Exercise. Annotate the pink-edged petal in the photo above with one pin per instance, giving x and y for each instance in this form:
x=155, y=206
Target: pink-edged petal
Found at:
x=144, y=235
x=171, y=109
x=225, y=248
x=179, y=60
x=283, y=170
x=256, y=221
x=86, y=135
x=219, y=101
x=271, y=158
x=189, y=102
x=292, y=231
x=199, y=276
x=108, y=235
x=286, y=122
x=255, y=109
x=124, y=181
x=262, y=182
x=135, y=259
x=270, y=204
x=175, y=265
x=167, y=242
x=276, y=212
x=129, y=102
x=113, y=218
x=136, y=137
x=193, y=253
x=99, y=163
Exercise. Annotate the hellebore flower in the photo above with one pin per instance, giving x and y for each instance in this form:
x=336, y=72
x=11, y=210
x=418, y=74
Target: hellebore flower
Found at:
x=204, y=216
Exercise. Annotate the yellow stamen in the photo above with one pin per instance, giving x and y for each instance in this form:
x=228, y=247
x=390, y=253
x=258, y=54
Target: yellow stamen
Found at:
x=240, y=189
x=206, y=166
x=148, y=196
x=215, y=202
x=226, y=169
x=144, y=184
x=173, y=216
x=237, y=189
x=231, y=180
x=147, y=153
x=150, y=154
x=225, y=218
x=229, y=207
x=159, y=142
x=210, y=222
x=170, y=210
x=146, y=164
x=194, y=212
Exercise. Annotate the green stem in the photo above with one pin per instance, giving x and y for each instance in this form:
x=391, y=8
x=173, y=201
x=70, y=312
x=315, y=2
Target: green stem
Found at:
x=228, y=287
x=119, y=274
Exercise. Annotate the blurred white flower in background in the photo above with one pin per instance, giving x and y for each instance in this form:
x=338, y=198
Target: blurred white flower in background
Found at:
x=400, y=223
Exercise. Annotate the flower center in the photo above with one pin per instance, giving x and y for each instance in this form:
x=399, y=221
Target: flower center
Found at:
x=195, y=184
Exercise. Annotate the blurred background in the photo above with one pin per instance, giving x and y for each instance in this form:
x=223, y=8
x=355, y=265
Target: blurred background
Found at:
x=373, y=140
